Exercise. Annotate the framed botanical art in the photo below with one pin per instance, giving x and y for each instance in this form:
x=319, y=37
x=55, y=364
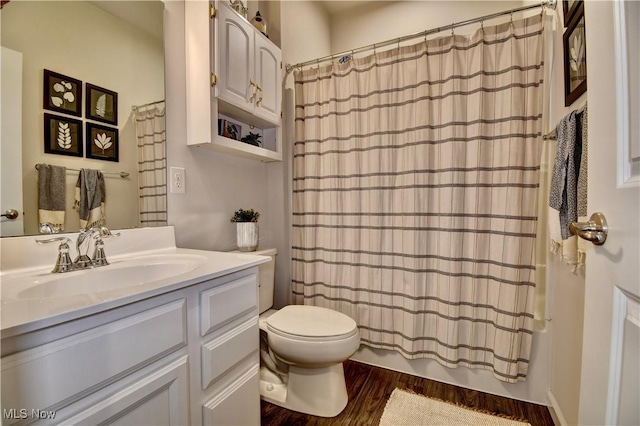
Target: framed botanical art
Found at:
x=569, y=8
x=102, y=142
x=62, y=94
x=575, y=58
x=62, y=135
x=101, y=105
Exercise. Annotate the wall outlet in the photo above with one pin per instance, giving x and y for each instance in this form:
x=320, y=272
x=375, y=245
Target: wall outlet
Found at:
x=177, y=177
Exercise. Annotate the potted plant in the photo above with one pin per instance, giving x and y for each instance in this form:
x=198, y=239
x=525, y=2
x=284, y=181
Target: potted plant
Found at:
x=246, y=229
x=252, y=139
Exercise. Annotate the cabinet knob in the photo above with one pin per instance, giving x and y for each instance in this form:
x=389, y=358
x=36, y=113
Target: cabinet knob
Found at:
x=214, y=79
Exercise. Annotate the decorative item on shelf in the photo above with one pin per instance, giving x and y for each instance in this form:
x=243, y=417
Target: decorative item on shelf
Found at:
x=252, y=139
x=229, y=130
x=246, y=229
x=259, y=22
x=239, y=7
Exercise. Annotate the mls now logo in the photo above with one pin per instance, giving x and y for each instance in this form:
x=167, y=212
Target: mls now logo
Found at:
x=23, y=413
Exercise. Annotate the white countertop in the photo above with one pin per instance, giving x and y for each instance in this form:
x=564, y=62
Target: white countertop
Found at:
x=21, y=315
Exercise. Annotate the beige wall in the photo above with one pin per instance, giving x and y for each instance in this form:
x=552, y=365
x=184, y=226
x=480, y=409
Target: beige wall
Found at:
x=383, y=20
x=565, y=287
x=82, y=41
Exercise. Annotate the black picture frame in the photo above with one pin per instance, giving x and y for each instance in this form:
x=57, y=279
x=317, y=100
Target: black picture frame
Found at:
x=62, y=135
x=101, y=104
x=102, y=142
x=61, y=93
x=575, y=57
x=569, y=8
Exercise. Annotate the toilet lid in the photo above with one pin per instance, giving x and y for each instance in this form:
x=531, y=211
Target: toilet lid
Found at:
x=311, y=322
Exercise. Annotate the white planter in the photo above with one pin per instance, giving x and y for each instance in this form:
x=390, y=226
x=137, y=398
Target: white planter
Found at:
x=247, y=236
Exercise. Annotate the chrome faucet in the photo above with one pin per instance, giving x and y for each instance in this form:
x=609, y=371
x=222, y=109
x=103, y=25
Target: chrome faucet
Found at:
x=82, y=261
x=82, y=245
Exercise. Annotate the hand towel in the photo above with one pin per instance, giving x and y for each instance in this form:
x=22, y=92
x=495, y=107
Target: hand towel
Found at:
x=564, y=179
x=90, y=197
x=51, y=196
x=568, y=191
x=583, y=245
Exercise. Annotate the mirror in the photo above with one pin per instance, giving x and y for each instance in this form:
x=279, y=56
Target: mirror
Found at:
x=114, y=45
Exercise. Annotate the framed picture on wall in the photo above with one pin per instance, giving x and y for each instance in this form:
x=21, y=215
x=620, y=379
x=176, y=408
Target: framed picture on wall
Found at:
x=102, y=142
x=569, y=8
x=62, y=94
x=62, y=135
x=101, y=105
x=575, y=58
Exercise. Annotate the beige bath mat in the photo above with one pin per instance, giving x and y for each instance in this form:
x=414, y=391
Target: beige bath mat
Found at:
x=406, y=408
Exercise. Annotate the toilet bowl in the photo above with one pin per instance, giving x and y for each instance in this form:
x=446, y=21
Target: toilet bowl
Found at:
x=302, y=351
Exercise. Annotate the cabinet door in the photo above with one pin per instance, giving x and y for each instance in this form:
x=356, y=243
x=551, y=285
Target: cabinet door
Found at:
x=235, y=59
x=160, y=398
x=268, y=76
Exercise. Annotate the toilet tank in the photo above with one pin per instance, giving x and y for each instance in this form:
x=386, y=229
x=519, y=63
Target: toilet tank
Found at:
x=266, y=278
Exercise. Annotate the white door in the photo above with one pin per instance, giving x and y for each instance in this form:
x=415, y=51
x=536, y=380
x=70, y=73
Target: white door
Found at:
x=11, y=141
x=610, y=380
x=235, y=72
x=269, y=79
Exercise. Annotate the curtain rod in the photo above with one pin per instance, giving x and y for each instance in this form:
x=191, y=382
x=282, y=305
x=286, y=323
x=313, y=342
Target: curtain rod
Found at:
x=135, y=107
x=548, y=3
x=122, y=174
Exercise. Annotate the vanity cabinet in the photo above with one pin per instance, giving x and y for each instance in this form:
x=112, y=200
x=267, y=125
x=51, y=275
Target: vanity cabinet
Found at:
x=190, y=356
x=233, y=73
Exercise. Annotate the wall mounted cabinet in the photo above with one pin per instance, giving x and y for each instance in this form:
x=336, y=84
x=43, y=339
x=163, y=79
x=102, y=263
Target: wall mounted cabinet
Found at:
x=233, y=71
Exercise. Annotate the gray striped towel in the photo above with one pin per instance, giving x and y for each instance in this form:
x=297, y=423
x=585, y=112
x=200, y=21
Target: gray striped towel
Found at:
x=51, y=196
x=90, y=195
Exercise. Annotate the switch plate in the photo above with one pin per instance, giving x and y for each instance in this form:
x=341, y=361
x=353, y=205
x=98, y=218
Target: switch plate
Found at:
x=177, y=177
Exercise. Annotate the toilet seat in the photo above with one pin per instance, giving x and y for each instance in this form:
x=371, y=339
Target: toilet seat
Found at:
x=311, y=323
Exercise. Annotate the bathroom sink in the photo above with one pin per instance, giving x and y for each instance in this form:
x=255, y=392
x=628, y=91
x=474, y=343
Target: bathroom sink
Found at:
x=121, y=274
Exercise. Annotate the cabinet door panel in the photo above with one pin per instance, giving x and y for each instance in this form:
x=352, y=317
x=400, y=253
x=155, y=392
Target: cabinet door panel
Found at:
x=236, y=59
x=221, y=305
x=268, y=76
x=67, y=369
x=161, y=398
x=239, y=404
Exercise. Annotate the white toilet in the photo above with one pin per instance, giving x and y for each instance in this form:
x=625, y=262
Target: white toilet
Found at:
x=302, y=350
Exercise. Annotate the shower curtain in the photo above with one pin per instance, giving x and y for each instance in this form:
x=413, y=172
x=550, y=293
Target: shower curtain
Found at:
x=152, y=164
x=415, y=180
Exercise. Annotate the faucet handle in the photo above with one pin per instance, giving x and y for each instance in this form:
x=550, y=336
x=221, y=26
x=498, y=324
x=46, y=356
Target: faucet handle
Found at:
x=63, y=262
x=53, y=240
x=99, y=257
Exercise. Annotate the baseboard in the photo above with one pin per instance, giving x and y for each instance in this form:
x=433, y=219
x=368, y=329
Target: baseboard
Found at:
x=555, y=411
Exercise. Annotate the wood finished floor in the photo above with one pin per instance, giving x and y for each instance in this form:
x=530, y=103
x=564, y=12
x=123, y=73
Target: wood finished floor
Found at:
x=369, y=389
